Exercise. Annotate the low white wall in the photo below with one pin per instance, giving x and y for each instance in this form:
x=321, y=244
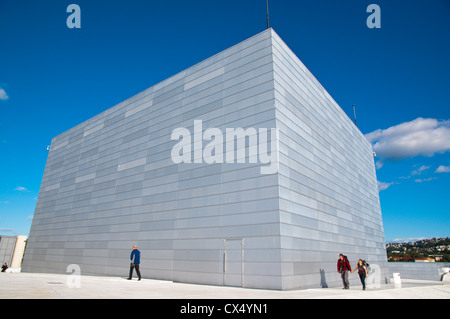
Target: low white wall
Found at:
x=421, y=271
x=12, y=270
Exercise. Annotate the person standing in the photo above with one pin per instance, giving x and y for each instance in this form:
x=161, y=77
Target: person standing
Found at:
x=135, y=258
x=343, y=267
x=4, y=267
x=362, y=272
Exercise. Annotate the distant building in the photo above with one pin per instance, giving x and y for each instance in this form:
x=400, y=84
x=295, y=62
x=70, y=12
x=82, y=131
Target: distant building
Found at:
x=397, y=258
x=11, y=251
x=437, y=258
x=424, y=260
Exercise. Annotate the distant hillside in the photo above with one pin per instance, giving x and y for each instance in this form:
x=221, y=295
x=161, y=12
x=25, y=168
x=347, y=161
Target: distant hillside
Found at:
x=437, y=249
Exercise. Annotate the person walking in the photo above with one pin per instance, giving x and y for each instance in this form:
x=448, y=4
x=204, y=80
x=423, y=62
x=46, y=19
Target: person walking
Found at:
x=362, y=272
x=135, y=258
x=343, y=267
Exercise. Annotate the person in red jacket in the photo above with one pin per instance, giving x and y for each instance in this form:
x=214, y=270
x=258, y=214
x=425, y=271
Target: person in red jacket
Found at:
x=343, y=267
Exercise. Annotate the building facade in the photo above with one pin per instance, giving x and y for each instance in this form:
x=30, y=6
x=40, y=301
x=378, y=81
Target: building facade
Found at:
x=11, y=251
x=239, y=171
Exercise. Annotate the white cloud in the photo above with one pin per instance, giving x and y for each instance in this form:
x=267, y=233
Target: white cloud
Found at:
x=20, y=189
x=3, y=95
x=379, y=164
x=383, y=186
x=408, y=240
x=443, y=169
x=422, y=180
x=420, y=170
x=420, y=137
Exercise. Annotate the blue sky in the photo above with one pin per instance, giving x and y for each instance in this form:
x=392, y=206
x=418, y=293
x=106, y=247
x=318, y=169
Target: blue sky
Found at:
x=53, y=78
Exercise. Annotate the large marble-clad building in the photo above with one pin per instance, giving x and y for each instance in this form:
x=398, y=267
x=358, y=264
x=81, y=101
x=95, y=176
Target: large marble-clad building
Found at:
x=160, y=170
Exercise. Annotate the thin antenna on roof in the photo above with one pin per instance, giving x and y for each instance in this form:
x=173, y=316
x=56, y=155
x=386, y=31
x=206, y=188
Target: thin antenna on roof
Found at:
x=354, y=113
x=267, y=5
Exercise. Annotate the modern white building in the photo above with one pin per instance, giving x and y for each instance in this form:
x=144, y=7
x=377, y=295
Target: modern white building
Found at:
x=156, y=171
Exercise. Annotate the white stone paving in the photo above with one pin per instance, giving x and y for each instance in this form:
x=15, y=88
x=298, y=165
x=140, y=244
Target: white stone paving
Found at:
x=56, y=286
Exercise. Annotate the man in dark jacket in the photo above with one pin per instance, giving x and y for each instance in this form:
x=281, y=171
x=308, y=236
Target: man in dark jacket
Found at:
x=135, y=258
x=343, y=267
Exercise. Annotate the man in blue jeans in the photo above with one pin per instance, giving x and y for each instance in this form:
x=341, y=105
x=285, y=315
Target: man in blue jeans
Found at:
x=135, y=261
x=343, y=267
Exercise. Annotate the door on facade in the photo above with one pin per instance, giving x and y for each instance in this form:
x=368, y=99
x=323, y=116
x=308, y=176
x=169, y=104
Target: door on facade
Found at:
x=233, y=262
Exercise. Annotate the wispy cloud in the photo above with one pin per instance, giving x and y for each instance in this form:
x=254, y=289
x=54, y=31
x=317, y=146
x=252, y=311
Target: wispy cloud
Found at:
x=420, y=170
x=443, y=169
x=20, y=189
x=420, y=137
x=379, y=164
x=383, y=186
x=3, y=95
x=408, y=240
x=8, y=231
x=422, y=180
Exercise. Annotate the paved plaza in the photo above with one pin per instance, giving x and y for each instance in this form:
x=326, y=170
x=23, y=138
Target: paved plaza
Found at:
x=57, y=286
